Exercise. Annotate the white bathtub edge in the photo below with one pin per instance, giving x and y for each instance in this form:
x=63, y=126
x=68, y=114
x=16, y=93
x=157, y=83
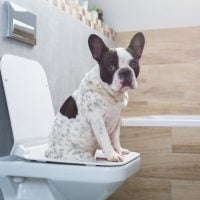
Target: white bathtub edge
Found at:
x=163, y=121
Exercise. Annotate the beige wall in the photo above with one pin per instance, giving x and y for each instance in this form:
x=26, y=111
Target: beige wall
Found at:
x=168, y=84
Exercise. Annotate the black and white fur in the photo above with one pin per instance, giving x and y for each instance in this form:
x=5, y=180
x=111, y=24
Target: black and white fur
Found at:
x=90, y=117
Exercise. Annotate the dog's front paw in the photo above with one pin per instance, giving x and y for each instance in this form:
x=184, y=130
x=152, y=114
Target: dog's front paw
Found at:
x=124, y=151
x=115, y=157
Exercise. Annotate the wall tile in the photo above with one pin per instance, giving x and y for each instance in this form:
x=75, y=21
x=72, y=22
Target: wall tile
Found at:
x=165, y=46
x=146, y=139
x=186, y=140
x=170, y=166
x=144, y=189
x=185, y=190
x=166, y=89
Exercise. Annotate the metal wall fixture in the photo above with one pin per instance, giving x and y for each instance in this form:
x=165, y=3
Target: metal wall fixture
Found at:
x=20, y=23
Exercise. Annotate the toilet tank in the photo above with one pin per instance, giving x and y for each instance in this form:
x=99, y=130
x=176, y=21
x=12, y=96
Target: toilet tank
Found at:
x=29, y=101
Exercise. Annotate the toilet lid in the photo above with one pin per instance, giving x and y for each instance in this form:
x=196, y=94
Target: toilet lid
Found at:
x=29, y=101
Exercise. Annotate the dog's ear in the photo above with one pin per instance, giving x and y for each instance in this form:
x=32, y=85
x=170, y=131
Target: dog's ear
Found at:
x=97, y=47
x=136, y=45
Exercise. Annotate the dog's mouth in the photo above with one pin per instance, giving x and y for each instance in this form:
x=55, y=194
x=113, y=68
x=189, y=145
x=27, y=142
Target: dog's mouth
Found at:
x=123, y=85
x=126, y=85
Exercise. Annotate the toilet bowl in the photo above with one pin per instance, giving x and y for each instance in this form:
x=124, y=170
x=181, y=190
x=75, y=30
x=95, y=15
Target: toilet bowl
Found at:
x=26, y=173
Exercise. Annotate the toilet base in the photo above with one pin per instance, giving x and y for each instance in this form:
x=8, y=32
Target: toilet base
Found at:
x=19, y=188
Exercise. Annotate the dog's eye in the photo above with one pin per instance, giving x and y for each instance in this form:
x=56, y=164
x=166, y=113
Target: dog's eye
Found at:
x=111, y=68
x=133, y=64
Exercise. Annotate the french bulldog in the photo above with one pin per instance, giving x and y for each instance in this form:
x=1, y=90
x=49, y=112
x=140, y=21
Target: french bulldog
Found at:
x=90, y=117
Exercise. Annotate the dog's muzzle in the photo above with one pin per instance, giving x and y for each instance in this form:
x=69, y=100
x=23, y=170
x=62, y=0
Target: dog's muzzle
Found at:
x=126, y=77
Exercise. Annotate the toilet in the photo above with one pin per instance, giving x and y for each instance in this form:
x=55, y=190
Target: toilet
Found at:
x=26, y=174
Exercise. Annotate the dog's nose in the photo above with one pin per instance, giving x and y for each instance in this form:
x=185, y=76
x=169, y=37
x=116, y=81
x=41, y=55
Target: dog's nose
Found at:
x=126, y=74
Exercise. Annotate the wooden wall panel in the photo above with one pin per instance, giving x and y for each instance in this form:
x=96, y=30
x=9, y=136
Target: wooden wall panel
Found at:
x=146, y=139
x=168, y=84
x=185, y=190
x=157, y=189
x=144, y=189
x=166, y=89
x=170, y=166
x=165, y=46
x=170, y=161
x=186, y=140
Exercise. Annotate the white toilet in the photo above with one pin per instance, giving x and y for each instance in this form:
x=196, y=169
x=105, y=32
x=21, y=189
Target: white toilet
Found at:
x=27, y=174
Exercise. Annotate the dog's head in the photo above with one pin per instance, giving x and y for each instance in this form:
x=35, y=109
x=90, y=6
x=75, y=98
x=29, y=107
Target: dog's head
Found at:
x=119, y=67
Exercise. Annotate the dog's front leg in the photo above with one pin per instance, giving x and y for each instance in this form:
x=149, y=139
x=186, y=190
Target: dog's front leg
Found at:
x=99, y=129
x=115, y=139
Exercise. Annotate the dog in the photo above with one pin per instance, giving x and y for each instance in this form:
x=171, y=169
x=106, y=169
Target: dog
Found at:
x=90, y=117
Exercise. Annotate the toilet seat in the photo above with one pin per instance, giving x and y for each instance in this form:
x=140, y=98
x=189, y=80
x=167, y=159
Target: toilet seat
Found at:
x=13, y=166
x=37, y=153
x=31, y=112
